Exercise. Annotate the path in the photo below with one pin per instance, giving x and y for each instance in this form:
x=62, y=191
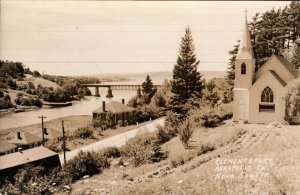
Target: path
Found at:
x=117, y=140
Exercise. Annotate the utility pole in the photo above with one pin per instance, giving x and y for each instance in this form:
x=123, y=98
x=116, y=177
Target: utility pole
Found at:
x=64, y=140
x=43, y=136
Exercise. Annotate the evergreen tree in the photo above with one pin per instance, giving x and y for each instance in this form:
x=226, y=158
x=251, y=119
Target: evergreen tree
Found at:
x=187, y=83
x=296, y=54
x=231, y=68
x=148, y=90
x=274, y=31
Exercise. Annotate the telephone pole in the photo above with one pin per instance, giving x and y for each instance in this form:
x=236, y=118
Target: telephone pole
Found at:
x=64, y=140
x=43, y=136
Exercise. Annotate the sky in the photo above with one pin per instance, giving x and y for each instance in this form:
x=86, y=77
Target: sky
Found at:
x=98, y=37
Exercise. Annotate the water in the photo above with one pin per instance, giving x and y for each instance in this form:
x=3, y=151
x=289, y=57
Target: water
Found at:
x=84, y=107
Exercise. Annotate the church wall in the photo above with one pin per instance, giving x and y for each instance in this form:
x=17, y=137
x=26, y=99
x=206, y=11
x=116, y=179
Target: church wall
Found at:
x=244, y=80
x=241, y=104
x=255, y=116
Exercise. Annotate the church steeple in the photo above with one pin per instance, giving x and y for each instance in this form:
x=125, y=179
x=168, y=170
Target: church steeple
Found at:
x=245, y=50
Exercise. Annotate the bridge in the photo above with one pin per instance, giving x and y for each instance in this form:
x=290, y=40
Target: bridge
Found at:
x=114, y=87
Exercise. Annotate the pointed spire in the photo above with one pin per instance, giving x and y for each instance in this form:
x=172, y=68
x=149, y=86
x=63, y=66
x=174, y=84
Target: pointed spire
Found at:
x=245, y=50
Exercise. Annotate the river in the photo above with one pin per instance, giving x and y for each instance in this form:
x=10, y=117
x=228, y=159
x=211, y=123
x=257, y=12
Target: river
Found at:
x=83, y=107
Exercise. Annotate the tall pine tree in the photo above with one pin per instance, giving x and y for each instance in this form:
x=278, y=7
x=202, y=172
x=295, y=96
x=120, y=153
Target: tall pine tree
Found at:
x=231, y=65
x=187, y=82
x=148, y=89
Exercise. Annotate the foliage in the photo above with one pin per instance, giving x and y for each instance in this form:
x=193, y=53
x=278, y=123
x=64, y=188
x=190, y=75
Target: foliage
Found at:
x=106, y=123
x=185, y=133
x=208, y=116
x=85, y=163
x=28, y=180
x=111, y=152
x=273, y=31
x=11, y=69
x=162, y=134
x=36, y=73
x=148, y=90
x=5, y=101
x=84, y=132
x=231, y=65
x=28, y=101
x=292, y=99
x=139, y=149
x=187, y=81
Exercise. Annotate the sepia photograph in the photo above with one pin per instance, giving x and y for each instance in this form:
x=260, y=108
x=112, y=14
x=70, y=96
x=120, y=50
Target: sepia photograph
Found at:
x=149, y=97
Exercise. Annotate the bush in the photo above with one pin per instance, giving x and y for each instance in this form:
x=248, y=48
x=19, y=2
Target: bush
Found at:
x=182, y=158
x=85, y=163
x=112, y=152
x=205, y=148
x=139, y=149
x=84, y=132
x=186, y=133
x=1, y=94
x=208, y=116
x=162, y=134
x=5, y=102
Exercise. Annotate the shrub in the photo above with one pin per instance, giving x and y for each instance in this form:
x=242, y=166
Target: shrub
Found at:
x=1, y=94
x=83, y=132
x=185, y=133
x=85, y=163
x=55, y=146
x=139, y=149
x=205, y=148
x=182, y=158
x=28, y=91
x=162, y=134
x=112, y=152
x=5, y=102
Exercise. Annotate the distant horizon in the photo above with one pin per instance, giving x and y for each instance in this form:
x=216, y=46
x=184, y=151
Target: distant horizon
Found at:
x=102, y=37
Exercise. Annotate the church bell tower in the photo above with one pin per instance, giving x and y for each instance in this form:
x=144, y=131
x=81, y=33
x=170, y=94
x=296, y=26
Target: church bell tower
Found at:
x=244, y=76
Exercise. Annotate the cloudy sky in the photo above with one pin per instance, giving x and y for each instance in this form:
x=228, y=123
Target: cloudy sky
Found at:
x=94, y=37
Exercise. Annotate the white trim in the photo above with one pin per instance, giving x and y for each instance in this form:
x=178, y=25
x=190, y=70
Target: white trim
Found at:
x=240, y=89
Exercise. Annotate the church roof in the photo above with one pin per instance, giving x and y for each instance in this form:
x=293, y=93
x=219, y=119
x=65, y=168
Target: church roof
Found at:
x=288, y=65
x=278, y=78
x=245, y=50
x=115, y=107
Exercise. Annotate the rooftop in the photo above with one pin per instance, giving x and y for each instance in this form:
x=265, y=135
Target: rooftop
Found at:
x=53, y=134
x=26, y=138
x=26, y=156
x=114, y=107
x=6, y=146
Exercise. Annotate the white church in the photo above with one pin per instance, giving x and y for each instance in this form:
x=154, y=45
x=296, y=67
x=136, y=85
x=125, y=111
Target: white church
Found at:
x=258, y=96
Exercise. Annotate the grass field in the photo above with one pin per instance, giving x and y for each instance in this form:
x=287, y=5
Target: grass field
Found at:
x=244, y=159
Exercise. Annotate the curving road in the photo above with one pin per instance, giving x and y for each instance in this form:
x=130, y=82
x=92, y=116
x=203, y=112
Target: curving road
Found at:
x=117, y=140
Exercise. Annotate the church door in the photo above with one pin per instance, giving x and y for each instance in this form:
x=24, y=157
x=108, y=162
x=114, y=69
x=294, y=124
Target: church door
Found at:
x=241, y=111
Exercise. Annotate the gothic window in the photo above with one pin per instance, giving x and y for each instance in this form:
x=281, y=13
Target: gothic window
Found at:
x=267, y=95
x=243, y=68
x=267, y=101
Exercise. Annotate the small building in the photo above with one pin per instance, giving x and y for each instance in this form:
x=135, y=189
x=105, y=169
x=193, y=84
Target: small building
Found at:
x=39, y=156
x=6, y=147
x=52, y=134
x=258, y=94
x=119, y=112
x=26, y=140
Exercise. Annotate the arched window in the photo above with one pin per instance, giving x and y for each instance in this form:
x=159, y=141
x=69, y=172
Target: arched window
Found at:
x=243, y=68
x=267, y=95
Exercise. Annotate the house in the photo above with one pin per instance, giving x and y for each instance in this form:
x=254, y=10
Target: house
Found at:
x=258, y=96
x=52, y=134
x=6, y=147
x=119, y=112
x=39, y=156
x=26, y=140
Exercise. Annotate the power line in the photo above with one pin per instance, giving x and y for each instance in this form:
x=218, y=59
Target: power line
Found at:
x=117, y=62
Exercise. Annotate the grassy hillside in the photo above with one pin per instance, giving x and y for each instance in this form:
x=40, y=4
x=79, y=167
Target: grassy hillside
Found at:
x=40, y=81
x=239, y=159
